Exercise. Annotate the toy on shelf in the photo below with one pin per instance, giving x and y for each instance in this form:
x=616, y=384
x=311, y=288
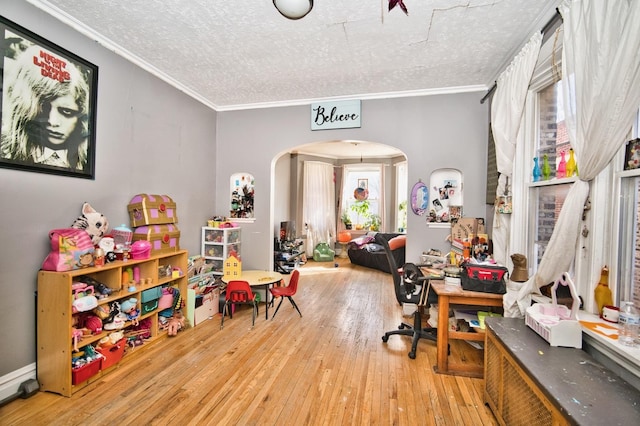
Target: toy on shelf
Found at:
x=556, y=323
x=96, y=224
x=130, y=308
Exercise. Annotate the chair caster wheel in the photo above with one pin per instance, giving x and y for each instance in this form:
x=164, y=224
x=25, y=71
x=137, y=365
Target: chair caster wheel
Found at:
x=385, y=338
x=412, y=355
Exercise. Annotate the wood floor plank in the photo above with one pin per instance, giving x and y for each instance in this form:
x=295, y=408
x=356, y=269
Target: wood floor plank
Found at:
x=329, y=367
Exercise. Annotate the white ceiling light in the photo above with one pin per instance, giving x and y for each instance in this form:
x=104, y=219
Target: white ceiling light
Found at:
x=293, y=9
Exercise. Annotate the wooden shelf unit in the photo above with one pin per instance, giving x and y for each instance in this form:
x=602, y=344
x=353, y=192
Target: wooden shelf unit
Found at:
x=55, y=314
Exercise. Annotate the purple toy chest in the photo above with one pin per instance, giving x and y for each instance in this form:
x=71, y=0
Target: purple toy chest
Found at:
x=163, y=238
x=146, y=209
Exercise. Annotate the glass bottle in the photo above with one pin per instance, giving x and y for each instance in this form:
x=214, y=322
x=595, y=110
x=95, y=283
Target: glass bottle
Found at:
x=536, y=170
x=572, y=167
x=603, y=292
x=629, y=322
x=562, y=167
x=546, y=168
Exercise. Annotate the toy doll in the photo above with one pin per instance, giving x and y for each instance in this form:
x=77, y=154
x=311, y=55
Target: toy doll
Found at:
x=130, y=308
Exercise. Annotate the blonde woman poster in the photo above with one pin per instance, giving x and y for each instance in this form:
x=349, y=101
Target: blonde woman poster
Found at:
x=48, y=107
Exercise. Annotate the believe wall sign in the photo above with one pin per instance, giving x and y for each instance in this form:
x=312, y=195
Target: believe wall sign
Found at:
x=335, y=115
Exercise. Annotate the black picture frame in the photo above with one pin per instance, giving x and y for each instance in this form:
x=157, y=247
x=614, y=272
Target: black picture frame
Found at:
x=632, y=155
x=48, y=98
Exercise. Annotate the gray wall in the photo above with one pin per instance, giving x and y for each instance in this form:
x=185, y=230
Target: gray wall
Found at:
x=433, y=131
x=151, y=138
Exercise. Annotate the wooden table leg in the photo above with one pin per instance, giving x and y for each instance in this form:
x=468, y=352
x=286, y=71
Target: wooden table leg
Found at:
x=442, y=344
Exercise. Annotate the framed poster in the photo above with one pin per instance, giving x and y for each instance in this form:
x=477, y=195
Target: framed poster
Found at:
x=48, y=107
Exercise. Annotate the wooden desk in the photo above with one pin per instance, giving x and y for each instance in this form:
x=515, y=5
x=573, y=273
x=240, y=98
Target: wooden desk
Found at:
x=258, y=279
x=448, y=295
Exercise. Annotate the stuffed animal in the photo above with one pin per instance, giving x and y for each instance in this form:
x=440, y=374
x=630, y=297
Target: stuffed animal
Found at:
x=96, y=224
x=176, y=323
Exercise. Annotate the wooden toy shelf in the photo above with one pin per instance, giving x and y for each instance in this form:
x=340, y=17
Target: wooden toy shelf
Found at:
x=55, y=314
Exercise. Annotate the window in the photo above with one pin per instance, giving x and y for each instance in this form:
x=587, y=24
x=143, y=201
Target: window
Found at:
x=401, y=196
x=551, y=146
x=629, y=235
x=361, y=178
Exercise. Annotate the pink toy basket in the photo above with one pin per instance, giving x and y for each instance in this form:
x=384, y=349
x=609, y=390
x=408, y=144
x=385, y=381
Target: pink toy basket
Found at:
x=141, y=249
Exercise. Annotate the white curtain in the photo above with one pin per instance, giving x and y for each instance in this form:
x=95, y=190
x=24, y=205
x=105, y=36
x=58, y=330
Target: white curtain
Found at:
x=319, y=204
x=507, y=109
x=601, y=94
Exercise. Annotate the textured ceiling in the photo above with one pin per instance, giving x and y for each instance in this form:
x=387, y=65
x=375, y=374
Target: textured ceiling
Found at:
x=236, y=54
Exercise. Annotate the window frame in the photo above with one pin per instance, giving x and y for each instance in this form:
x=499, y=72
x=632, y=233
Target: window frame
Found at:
x=601, y=245
x=347, y=193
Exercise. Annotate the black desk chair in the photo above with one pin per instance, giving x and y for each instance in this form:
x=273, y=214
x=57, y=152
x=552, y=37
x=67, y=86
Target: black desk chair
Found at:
x=411, y=286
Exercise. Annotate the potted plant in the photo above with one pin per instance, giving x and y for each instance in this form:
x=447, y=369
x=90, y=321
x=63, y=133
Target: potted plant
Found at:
x=402, y=213
x=361, y=209
x=346, y=219
x=373, y=222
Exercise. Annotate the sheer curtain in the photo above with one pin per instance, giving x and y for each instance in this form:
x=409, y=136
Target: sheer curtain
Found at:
x=507, y=109
x=319, y=204
x=601, y=89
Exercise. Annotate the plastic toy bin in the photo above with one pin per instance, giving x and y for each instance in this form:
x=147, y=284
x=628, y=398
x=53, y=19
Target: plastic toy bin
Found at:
x=112, y=354
x=81, y=374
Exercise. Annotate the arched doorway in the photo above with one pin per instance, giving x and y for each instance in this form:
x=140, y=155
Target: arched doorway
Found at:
x=287, y=174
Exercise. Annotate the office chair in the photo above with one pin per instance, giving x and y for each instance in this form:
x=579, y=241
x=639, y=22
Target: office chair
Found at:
x=411, y=287
x=288, y=292
x=239, y=293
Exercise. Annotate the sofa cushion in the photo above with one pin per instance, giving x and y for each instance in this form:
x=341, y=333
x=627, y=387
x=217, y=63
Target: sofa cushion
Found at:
x=397, y=242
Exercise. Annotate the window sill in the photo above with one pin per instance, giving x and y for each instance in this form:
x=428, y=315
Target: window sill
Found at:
x=437, y=225
x=622, y=360
x=242, y=219
x=553, y=181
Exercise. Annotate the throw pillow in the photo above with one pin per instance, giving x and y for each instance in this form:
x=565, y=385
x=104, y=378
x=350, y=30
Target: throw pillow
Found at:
x=357, y=243
x=397, y=242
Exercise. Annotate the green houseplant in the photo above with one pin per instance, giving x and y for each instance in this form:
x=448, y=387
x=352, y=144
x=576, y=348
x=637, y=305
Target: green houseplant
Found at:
x=373, y=222
x=361, y=209
x=402, y=213
x=346, y=219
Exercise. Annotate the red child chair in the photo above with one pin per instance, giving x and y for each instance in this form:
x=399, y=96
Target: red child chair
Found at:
x=287, y=292
x=239, y=293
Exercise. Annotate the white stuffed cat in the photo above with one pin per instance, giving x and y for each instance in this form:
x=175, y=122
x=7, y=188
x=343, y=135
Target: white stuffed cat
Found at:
x=96, y=224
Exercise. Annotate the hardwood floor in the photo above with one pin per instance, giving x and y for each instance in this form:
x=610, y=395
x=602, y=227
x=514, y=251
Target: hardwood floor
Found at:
x=329, y=367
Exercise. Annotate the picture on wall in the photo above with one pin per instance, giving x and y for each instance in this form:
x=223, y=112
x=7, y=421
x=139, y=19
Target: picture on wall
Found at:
x=632, y=155
x=48, y=106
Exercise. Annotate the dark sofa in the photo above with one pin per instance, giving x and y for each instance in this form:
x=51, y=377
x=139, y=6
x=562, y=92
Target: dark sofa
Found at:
x=371, y=254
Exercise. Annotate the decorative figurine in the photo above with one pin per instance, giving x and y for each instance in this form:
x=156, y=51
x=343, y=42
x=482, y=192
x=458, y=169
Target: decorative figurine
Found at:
x=546, y=169
x=536, y=170
x=562, y=167
x=572, y=167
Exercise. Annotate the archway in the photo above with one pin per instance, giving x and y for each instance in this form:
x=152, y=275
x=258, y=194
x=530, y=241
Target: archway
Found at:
x=286, y=177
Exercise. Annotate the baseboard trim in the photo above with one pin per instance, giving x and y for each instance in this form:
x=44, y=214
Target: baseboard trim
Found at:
x=9, y=383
